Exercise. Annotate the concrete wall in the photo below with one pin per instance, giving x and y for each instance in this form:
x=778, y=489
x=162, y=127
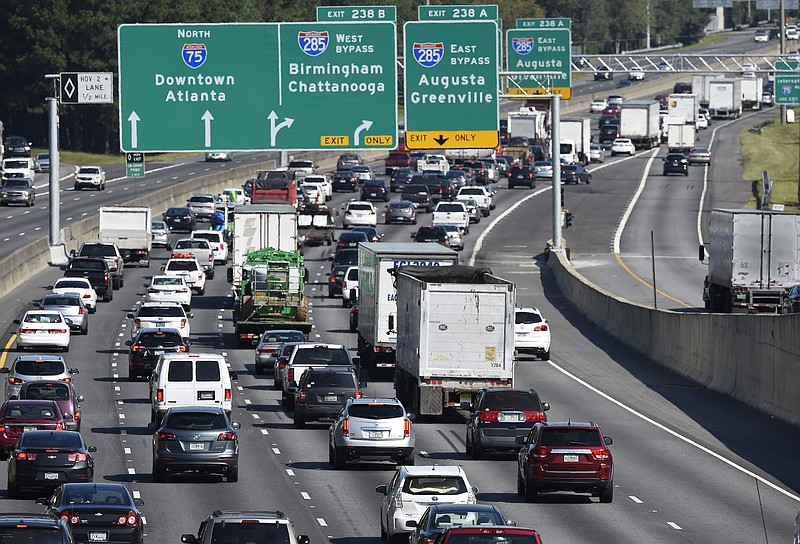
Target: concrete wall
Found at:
x=753, y=358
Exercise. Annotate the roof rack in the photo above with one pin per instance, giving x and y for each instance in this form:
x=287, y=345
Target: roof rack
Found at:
x=276, y=513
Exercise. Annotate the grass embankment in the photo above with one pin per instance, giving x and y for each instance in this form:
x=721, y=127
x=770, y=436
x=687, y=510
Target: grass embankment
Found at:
x=78, y=158
x=776, y=150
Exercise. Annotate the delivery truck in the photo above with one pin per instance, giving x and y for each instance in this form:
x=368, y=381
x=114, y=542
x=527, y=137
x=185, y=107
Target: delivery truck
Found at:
x=752, y=90
x=684, y=106
x=639, y=120
x=576, y=132
x=455, y=335
x=725, y=98
x=701, y=83
x=130, y=228
x=261, y=226
x=753, y=260
x=377, y=305
x=681, y=138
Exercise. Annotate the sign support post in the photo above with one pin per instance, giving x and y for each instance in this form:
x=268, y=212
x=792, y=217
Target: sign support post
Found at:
x=555, y=153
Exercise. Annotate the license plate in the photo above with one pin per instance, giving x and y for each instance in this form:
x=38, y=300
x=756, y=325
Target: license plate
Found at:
x=158, y=352
x=51, y=475
x=29, y=428
x=205, y=395
x=510, y=418
x=331, y=398
x=161, y=323
x=570, y=458
x=376, y=434
x=196, y=446
x=98, y=536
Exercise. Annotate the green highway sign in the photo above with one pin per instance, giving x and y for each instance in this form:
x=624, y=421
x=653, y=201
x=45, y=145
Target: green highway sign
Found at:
x=257, y=86
x=134, y=165
x=787, y=84
x=451, y=84
x=457, y=13
x=544, y=45
x=356, y=13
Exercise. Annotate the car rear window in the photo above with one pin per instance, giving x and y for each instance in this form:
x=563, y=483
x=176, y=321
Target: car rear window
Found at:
x=570, y=437
x=160, y=311
x=16, y=410
x=152, y=340
x=284, y=337
x=360, y=207
x=263, y=533
x=179, y=371
x=331, y=379
x=321, y=356
x=207, y=371
x=49, y=391
x=513, y=400
x=98, y=251
x=434, y=485
x=168, y=280
x=89, y=171
x=51, y=440
x=29, y=535
x=195, y=243
x=86, y=265
x=72, y=284
x=491, y=538
x=178, y=211
x=201, y=200
x=196, y=421
x=525, y=318
x=353, y=237
x=39, y=368
x=61, y=301
x=450, y=208
x=181, y=265
x=376, y=411
x=43, y=318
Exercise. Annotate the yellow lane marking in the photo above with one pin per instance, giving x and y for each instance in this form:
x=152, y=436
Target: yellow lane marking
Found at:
x=7, y=349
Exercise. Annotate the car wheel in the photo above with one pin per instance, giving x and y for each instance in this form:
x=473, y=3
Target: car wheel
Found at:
x=233, y=474
x=158, y=473
x=414, y=222
x=477, y=452
x=65, y=349
x=13, y=490
x=276, y=384
x=201, y=291
x=607, y=493
x=338, y=462
x=531, y=494
x=686, y=173
x=520, y=487
x=546, y=355
x=85, y=329
x=211, y=274
x=299, y=422
x=384, y=534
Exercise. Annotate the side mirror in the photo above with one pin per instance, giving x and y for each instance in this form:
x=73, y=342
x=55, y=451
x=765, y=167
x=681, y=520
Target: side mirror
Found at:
x=63, y=267
x=138, y=502
x=129, y=316
x=519, y=440
x=16, y=321
x=188, y=342
x=545, y=406
x=43, y=500
x=466, y=405
x=411, y=417
x=381, y=489
x=152, y=426
x=128, y=343
x=5, y=370
x=91, y=449
x=74, y=371
x=330, y=259
x=163, y=268
x=69, y=417
x=511, y=523
x=702, y=253
x=413, y=234
x=68, y=321
x=188, y=539
x=608, y=440
x=236, y=425
x=50, y=287
x=362, y=384
x=475, y=489
x=73, y=253
x=190, y=315
x=234, y=376
x=356, y=361
x=411, y=523
x=79, y=398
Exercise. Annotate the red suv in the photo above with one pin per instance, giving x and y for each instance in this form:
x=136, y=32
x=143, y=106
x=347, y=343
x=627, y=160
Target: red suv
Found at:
x=488, y=534
x=565, y=457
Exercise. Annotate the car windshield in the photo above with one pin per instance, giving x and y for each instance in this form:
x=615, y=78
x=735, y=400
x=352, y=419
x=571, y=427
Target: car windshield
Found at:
x=321, y=356
x=158, y=225
x=39, y=368
x=331, y=379
x=570, y=437
x=376, y=411
x=160, y=311
x=15, y=164
x=525, y=401
x=434, y=485
x=89, y=170
x=47, y=391
x=524, y=318
x=14, y=534
x=210, y=236
x=159, y=339
x=18, y=410
x=301, y=164
x=445, y=519
x=401, y=205
x=353, y=237
x=247, y=533
x=15, y=183
x=196, y=421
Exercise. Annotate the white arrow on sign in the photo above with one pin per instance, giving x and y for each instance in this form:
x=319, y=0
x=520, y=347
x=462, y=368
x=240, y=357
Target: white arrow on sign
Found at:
x=275, y=128
x=134, y=119
x=365, y=125
x=207, y=117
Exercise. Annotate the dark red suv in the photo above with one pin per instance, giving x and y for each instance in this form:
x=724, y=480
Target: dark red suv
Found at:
x=488, y=534
x=565, y=457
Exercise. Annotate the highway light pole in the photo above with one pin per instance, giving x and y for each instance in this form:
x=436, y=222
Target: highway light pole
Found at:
x=781, y=29
x=555, y=154
x=57, y=252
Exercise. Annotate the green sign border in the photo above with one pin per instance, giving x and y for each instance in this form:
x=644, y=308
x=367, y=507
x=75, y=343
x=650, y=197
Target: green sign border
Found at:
x=511, y=55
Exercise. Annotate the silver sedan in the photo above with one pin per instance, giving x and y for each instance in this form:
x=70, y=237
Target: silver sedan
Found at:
x=71, y=306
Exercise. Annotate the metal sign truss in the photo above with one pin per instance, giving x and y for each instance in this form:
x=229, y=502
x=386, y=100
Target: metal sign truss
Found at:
x=685, y=63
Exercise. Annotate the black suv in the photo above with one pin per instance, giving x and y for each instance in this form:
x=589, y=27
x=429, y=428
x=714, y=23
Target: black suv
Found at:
x=34, y=528
x=146, y=348
x=603, y=74
x=344, y=180
x=400, y=178
x=676, y=163
x=17, y=191
x=322, y=391
x=17, y=146
x=249, y=526
x=375, y=189
x=499, y=416
x=609, y=132
x=419, y=195
x=431, y=234
x=521, y=175
x=94, y=270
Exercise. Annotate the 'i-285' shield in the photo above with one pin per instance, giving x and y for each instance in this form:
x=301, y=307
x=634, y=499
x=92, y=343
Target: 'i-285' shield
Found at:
x=522, y=46
x=428, y=54
x=313, y=43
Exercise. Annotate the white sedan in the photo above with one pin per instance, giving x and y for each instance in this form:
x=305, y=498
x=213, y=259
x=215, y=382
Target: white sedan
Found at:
x=598, y=105
x=165, y=288
x=359, y=212
x=636, y=74
x=702, y=121
x=531, y=333
x=43, y=328
x=596, y=153
x=622, y=145
x=323, y=181
x=81, y=286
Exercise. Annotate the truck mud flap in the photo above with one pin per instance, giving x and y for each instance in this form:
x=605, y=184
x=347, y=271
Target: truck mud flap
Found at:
x=431, y=400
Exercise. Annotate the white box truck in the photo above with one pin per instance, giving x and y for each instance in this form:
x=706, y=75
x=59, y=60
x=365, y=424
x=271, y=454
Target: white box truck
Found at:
x=377, y=305
x=577, y=133
x=752, y=89
x=527, y=123
x=684, y=106
x=130, y=228
x=753, y=260
x=725, y=98
x=640, y=121
x=259, y=226
x=455, y=335
x=681, y=138
x=701, y=83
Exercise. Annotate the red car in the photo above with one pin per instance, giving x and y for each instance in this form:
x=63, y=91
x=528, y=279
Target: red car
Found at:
x=611, y=110
x=63, y=393
x=488, y=534
x=19, y=416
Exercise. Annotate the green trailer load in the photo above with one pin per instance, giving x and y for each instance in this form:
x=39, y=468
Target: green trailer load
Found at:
x=271, y=295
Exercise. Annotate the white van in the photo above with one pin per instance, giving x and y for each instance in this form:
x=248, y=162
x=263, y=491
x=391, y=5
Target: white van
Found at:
x=189, y=379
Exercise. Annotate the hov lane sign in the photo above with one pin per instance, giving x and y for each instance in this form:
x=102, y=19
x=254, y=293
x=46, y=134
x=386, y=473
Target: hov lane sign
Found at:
x=134, y=165
x=86, y=87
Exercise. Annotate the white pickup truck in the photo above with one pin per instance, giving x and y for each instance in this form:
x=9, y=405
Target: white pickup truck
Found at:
x=200, y=249
x=452, y=213
x=433, y=163
x=479, y=195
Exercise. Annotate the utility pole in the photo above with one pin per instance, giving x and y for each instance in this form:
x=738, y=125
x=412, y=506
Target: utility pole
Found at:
x=647, y=10
x=782, y=30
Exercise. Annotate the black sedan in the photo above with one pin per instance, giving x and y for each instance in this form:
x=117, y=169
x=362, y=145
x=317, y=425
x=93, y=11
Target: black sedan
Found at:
x=335, y=279
x=420, y=196
x=575, y=173
x=344, y=180
x=521, y=175
x=431, y=235
x=375, y=189
x=400, y=177
x=47, y=459
x=148, y=346
x=182, y=219
x=104, y=512
x=676, y=163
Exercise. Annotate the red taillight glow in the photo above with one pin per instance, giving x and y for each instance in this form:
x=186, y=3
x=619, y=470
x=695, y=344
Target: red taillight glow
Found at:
x=302, y=396
x=535, y=416
x=227, y=394
x=71, y=519
x=540, y=328
x=183, y=323
x=290, y=375
x=540, y=453
x=346, y=427
x=160, y=395
x=25, y=331
x=182, y=348
x=166, y=436
x=24, y=456
x=77, y=457
x=359, y=394
x=600, y=453
x=227, y=436
x=406, y=428
x=60, y=426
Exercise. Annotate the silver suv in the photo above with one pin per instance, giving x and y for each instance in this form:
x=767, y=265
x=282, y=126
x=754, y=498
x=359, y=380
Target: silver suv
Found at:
x=371, y=429
x=249, y=526
x=203, y=205
x=28, y=368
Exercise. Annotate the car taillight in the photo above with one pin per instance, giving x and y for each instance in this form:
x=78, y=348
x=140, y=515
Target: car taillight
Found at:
x=389, y=209
x=58, y=331
x=600, y=453
x=77, y=457
x=24, y=456
x=26, y=331
x=182, y=348
x=60, y=426
x=183, y=290
x=302, y=396
x=116, y=263
x=488, y=415
x=290, y=375
x=137, y=348
x=535, y=416
x=406, y=428
x=105, y=277
x=137, y=323
x=70, y=518
x=540, y=328
x=346, y=427
x=77, y=416
x=359, y=394
x=130, y=519
x=87, y=295
x=160, y=395
x=80, y=311
x=166, y=436
x=229, y=435
x=183, y=323
x=398, y=500
x=227, y=394
x=340, y=244
x=540, y=453
x=12, y=379
x=267, y=350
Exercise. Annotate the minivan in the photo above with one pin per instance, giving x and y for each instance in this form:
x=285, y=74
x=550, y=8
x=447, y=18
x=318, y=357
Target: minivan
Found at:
x=190, y=379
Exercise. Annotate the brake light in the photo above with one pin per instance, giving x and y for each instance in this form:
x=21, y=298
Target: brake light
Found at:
x=130, y=519
x=182, y=348
x=346, y=427
x=26, y=331
x=302, y=396
x=105, y=277
x=359, y=394
x=183, y=323
x=267, y=350
x=12, y=379
x=58, y=331
x=60, y=426
x=137, y=348
x=160, y=395
x=227, y=394
x=290, y=374
x=77, y=416
x=340, y=244
x=69, y=518
x=540, y=453
x=406, y=428
x=80, y=311
x=542, y=327
x=488, y=415
x=77, y=457
x=2, y=428
x=137, y=323
x=116, y=263
x=535, y=416
x=24, y=456
x=166, y=436
x=600, y=453
x=333, y=280
x=87, y=295
x=229, y=435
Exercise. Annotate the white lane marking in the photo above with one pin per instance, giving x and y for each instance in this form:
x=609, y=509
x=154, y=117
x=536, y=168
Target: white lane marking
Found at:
x=122, y=416
x=674, y=525
x=137, y=494
x=247, y=401
x=115, y=376
x=322, y=522
x=423, y=453
x=305, y=495
x=144, y=520
x=629, y=209
x=131, y=471
x=276, y=451
x=635, y=499
x=239, y=388
x=264, y=431
x=123, y=432
x=127, y=451
x=255, y=416
x=116, y=388
x=290, y=472
x=676, y=434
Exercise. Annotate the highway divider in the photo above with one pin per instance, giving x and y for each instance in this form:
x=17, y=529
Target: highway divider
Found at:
x=752, y=358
